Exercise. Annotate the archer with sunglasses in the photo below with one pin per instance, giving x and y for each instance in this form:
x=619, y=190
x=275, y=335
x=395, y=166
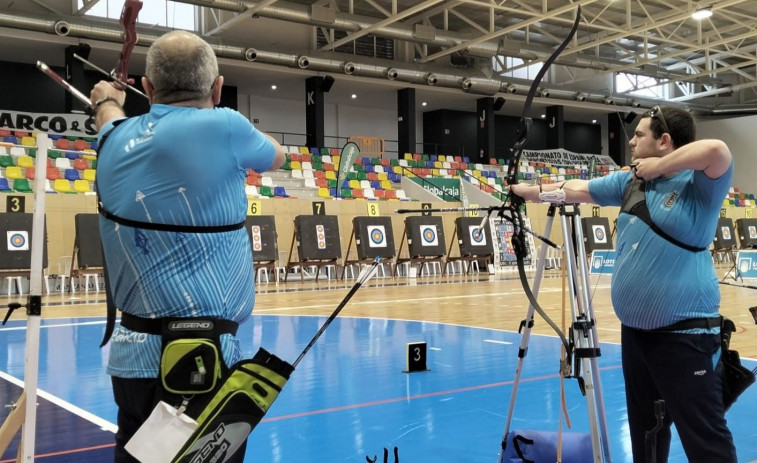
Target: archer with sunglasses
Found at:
x=664, y=288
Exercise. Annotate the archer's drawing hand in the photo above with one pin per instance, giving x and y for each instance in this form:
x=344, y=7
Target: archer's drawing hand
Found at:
x=648, y=168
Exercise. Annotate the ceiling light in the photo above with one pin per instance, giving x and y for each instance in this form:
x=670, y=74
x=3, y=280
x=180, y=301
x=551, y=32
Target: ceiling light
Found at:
x=273, y=87
x=702, y=13
x=543, y=116
x=593, y=121
x=354, y=96
x=424, y=103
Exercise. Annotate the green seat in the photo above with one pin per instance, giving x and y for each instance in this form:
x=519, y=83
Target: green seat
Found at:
x=346, y=193
x=394, y=162
x=22, y=185
x=332, y=183
x=424, y=158
x=376, y=161
x=6, y=161
x=362, y=176
x=325, y=152
x=317, y=165
x=54, y=154
x=351, y=175
x=32, y=152
x=266, y=191
x=286, y=166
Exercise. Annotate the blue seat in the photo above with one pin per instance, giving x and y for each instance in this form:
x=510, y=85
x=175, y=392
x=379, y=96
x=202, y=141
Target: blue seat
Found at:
x=466, y=159
x=4, y=186
x=369, y=168
x=332, y=192
x=280, y=191
x=72, y=155
x=72, y=174
x=366, y=161
x=315, y=151
x=396, y=178
x=432, y=158
x=94, y=145
x=11, y=139
x=375, y=184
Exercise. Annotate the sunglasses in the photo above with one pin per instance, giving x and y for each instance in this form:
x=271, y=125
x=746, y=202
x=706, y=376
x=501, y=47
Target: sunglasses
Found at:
x=656, y=112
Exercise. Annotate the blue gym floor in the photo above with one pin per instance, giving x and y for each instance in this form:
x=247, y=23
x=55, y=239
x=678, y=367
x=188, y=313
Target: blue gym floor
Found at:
x=349, y=398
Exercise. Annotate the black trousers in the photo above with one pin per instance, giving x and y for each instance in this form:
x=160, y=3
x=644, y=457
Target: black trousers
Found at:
x=136, y=398
x=677, y=368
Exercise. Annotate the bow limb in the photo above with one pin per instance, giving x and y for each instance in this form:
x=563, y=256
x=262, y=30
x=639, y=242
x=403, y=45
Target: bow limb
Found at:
x=128, y=22
x=520, y=246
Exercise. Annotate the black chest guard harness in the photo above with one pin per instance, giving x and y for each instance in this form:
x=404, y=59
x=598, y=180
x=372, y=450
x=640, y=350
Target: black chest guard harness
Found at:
x=635, y=203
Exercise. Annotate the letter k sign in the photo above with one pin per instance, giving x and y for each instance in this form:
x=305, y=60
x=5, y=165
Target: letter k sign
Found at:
x=310, y=99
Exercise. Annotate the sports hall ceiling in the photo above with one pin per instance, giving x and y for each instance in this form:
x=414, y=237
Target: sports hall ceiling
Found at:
x=708, y=65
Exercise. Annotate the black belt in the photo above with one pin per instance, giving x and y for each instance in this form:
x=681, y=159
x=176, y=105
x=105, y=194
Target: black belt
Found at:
x=693, y=323
x=157, y=325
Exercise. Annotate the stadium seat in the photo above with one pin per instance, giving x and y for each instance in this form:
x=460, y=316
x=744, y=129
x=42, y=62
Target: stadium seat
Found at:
x=82, y=186
x=89, y=175
x=72, y=174
x=80, y=164
x=251, y=190
x=280, y=192
x=21, y=185
x=53, y=173
x=25, y=161
x=266, y=191
x=62, y=185
x=324, y=193
x=13, y=172
x=28, y=141
x=4, y=186
x=30, y=173
x=6, y=161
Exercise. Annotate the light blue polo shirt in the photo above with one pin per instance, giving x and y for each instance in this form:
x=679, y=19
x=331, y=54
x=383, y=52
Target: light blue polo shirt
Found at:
x=184, y=166
x=655, y=282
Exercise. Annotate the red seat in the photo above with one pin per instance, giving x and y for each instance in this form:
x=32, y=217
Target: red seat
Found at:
x=80, y=164
x=357, y=193
x=80, y=144
x=53, y=173
x=63, y=143
x=30, y=173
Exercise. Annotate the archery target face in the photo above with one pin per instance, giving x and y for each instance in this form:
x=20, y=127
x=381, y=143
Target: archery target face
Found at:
x=257, y=241
x=600, y=236
x=429, y=236
x=752, y=231
x=376, y=236
x=18, y=240
x=477, y=236
x=726, y=233
x=744, y=265
x=320, y=234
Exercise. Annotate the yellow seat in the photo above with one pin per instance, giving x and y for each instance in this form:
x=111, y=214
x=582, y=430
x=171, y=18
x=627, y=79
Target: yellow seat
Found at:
x=13, y=172
x=383, y=176
x=62, y=185
x=25, y=161
x=397, y=170
x=330, y=175
x=323, y=193
x=81, y=186
x=28, y=141
x=386, y=185
x=354, y=184
x=304, y=150
x=89, y=175
x=295, y=165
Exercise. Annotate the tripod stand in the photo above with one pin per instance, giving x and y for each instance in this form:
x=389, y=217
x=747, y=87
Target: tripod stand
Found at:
x=584, y=343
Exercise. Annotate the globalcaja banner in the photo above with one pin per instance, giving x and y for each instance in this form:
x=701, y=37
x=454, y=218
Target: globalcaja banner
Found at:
x=446, y=188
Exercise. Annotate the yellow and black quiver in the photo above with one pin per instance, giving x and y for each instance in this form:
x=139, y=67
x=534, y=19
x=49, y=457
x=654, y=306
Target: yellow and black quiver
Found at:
x=234, y=408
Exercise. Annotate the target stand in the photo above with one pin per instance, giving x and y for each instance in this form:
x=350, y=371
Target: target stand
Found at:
x=373, y=237
x=15, y=255
x=261, y=230
x=317, y=238
x=86, y=256
x=425, y=243
x=474, y=241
